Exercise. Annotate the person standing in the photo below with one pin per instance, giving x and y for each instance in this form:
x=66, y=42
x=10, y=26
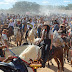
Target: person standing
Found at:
x=32, y=23
x=4, y=40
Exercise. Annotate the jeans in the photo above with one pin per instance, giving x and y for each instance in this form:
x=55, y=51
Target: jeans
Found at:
x=45, y=50
x=23, y=27
x=39, y=30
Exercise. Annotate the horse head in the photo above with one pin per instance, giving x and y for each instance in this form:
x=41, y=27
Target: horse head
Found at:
x=31, y=35
x=57, y=39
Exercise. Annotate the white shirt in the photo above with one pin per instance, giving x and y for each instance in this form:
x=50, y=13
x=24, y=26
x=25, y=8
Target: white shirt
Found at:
x=50, y=33
x=4, y=37
x=32, y=23
x=11, y=24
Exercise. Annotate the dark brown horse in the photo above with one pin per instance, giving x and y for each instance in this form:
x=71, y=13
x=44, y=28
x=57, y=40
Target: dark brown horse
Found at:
x=66, y=51
x=10, y=33
x=58, y=57
x=66, y=48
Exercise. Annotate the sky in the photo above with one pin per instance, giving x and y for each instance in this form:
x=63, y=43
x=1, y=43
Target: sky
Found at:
x=6, y=4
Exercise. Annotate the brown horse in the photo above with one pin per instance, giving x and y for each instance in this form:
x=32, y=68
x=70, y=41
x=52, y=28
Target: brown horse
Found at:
x=10, y=33
x=66, y=51
x=19, y=37
x=58, y=57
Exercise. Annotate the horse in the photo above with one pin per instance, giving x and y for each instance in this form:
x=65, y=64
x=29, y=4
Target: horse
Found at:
x=70, y=42
x=31, y=36
x=58, y=54
x=10, y=33
x=18, y=35
x=66, y=49
x=34, y=52
x=67, y=46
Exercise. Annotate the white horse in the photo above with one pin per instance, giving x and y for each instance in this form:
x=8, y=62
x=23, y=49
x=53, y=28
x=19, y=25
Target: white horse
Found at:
x=57, y=38
x=31, y=36
x=31, y=52
x=15, y=31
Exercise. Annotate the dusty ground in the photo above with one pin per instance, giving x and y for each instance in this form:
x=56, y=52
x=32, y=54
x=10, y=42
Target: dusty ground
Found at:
x=67, y=68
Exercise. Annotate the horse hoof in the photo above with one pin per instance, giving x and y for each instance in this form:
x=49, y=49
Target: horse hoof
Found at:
x=58, y=71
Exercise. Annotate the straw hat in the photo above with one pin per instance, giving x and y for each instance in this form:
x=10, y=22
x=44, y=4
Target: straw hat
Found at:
x=4, y=30
x=18, y=19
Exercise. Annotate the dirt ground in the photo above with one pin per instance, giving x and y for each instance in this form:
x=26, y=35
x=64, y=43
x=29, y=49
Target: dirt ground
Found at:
x=67, y=68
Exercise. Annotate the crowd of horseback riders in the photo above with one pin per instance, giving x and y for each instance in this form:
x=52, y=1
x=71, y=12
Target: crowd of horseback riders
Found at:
x=45, y=28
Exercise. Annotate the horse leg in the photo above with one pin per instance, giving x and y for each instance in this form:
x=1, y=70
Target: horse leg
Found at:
x=64, y=55
x=71, y=58
x=51, y=62
x=48, y=65
x=57, y=64
x=17, y=43
x=71, y=61
x=61, y=62
x=67, y=55
x=10, y=39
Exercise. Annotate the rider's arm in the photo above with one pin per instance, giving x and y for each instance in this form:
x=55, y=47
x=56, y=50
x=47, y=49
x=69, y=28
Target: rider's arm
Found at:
x=2, y=58
x=6, y=43
x=7, y=59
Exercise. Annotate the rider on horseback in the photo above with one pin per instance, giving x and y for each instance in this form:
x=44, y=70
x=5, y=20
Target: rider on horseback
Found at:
x=11, y=24
x=46, y=41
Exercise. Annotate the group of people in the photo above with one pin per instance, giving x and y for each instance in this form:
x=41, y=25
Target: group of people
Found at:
x=46, y=25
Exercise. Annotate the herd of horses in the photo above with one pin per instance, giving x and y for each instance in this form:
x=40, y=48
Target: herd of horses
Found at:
x=60, y=50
